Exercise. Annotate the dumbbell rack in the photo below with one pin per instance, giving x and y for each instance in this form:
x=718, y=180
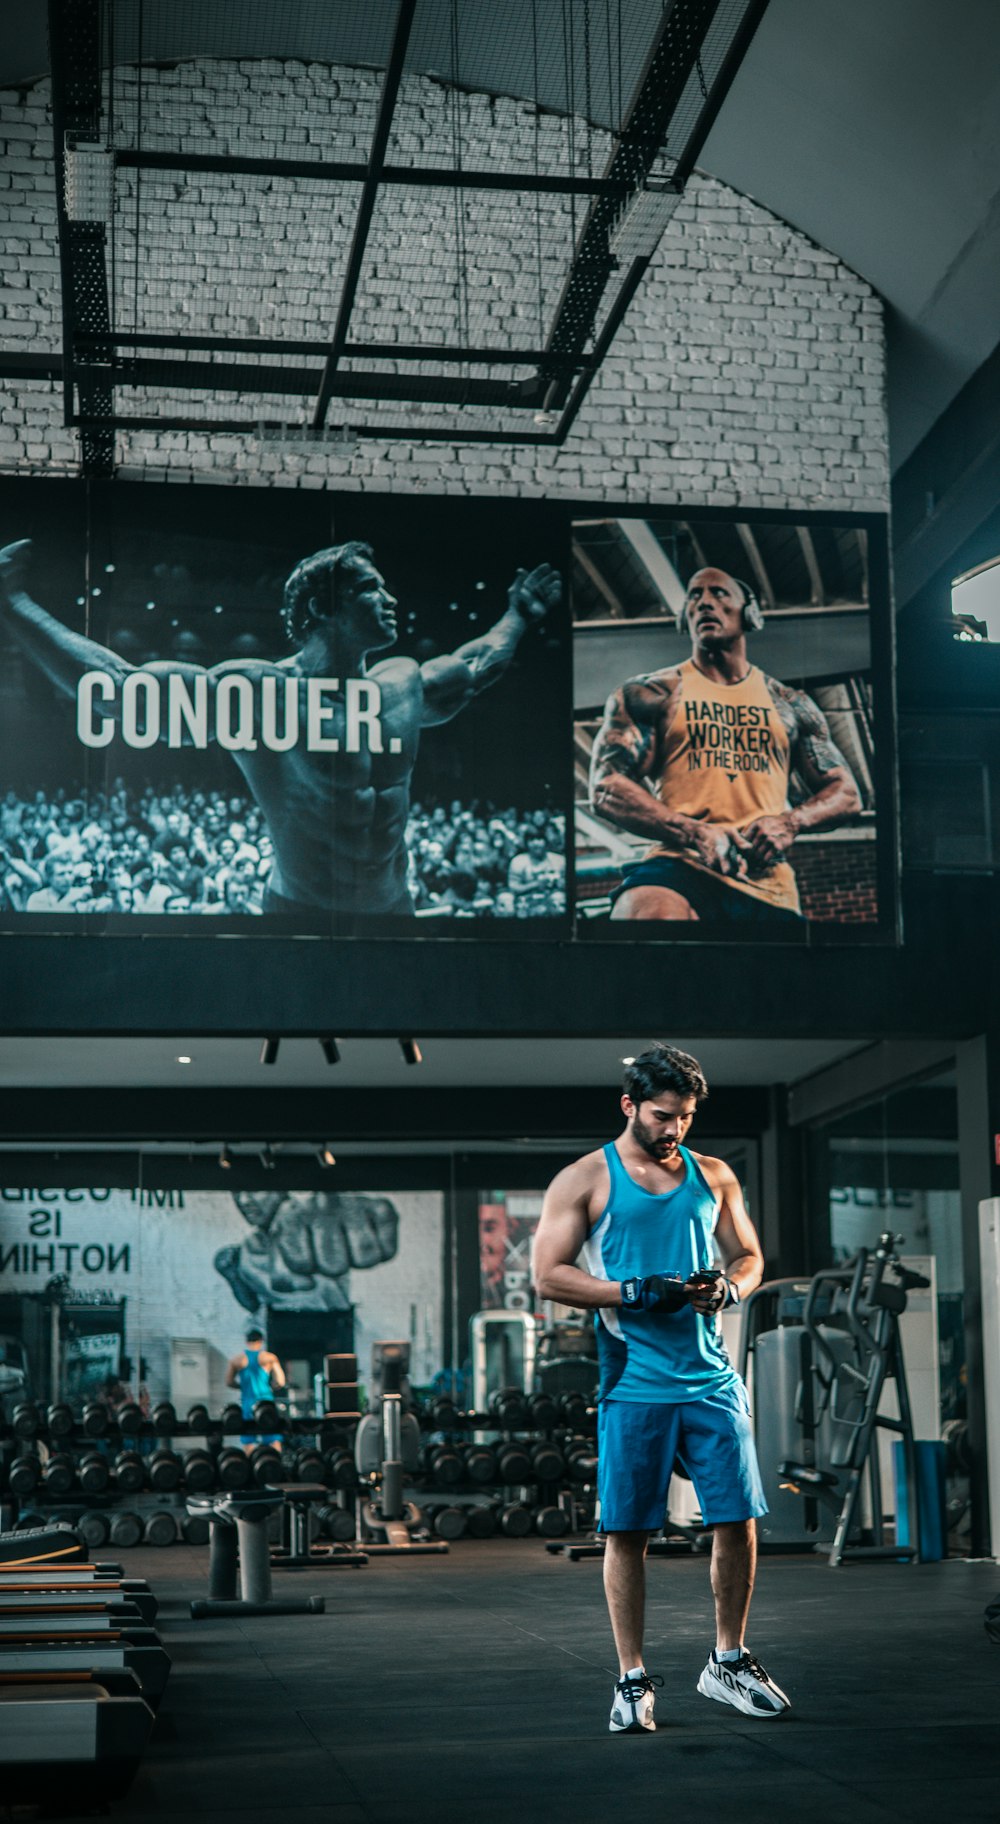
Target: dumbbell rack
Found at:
x=525, y=1501
x=76, y=1441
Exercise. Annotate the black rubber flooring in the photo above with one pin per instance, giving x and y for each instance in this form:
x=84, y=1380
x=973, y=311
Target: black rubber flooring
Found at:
x=475, y=1689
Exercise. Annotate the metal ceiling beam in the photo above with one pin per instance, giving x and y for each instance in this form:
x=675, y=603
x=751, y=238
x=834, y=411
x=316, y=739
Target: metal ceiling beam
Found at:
x=351, y=171
x=75, y=40
x=277, y=345
x=366, y=206
x=244, y=377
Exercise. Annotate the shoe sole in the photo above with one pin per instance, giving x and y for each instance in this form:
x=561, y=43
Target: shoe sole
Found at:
x=632, y=1728
x=707, y=1687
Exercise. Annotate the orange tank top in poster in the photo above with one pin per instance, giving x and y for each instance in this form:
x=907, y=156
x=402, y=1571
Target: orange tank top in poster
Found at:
x=726, y=760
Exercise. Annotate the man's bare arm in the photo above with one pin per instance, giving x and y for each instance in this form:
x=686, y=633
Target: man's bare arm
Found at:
x=815, y=754
x=451, y=681
x=627, y=751
x=63, y=655
x=562, y=1230
x=735, y=1236
x=232, y=1372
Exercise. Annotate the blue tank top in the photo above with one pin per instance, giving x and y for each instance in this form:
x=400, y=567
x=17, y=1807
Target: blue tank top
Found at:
x=650, y=1357
x=255, y=1383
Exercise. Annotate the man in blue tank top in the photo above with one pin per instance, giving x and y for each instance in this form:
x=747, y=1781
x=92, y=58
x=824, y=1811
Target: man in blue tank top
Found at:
x=258, y=1374
x=650, y=1220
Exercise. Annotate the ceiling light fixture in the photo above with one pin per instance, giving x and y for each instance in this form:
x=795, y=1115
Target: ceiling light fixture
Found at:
x=183, y=1059
x=269, y=1051
x=330, y=1050
x=267, y=1157
x=325, y=1154
x=411, y=1051
x=225, y=1158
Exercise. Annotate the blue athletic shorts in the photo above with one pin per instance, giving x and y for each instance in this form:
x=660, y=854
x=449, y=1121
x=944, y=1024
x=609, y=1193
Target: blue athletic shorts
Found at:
x=709, y=895
x=712, y=1438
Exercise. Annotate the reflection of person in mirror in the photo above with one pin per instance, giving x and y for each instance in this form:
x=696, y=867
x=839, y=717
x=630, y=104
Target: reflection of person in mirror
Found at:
x=336, y=802
x=698, y=759
x=258, y=1374
x=494, y=1239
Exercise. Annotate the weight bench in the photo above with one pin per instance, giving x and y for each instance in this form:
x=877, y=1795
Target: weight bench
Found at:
x=238, y=1541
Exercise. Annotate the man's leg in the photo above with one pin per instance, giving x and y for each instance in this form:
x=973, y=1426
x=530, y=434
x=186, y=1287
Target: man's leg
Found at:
x=625, y=1589
x=734, y=1561
x=652, y=902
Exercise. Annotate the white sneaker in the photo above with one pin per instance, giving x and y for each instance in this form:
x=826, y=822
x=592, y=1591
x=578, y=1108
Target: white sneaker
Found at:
x=632, y=1709
x=743, y=1683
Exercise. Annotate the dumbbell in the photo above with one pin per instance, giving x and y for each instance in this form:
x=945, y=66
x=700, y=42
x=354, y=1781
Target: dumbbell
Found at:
x=266, y=1467
x=160, y=1528
x=543, y=1411
x=551, y=1522
x=513, y=1463
x=129, y=1418
x=307, y=1465
x=573, y=1408
x=480, y=1522
x=94, y=1423
x=444, y=1465
x=336, y=1523
x=443, y=1413
x=481, y=1464
x=58, y=1474
x=196, y=1528
x=164, y=1471
x=23, y=1477
x=449, y=1523
x=126, y=1529
x=94, y=1472
x=93, y=1529
x=581, y=1460
x=547, y=1462
x=510, y=1408
x=24, y=1419
x=199, y=1472
x=198, y=1422
x=232, y=1467
x=339, y=1469
x=266, y=1415
x=232, y=1419
x=60, y=1420
x=164, y=1418
x=515, y=1520
x=128, y=1472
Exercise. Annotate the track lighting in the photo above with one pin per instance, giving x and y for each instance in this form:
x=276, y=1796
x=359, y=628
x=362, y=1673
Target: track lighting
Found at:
x=225, y=1158
x=330, y=1050
x=267, y=1155
x=325, y=1154
x=411, y=1051
x=269, y=1051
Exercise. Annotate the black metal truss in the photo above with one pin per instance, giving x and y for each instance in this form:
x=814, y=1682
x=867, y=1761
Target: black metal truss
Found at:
x=97, y=360
x=74, y=36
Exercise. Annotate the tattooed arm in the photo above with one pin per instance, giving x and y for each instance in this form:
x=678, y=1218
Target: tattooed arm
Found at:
x=626, y=752
x=814, y=753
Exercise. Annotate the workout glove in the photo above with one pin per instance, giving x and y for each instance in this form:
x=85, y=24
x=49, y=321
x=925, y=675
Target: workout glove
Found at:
x=657, y=1292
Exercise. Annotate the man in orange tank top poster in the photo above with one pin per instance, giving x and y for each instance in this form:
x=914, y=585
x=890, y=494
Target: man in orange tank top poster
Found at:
x=698, y=759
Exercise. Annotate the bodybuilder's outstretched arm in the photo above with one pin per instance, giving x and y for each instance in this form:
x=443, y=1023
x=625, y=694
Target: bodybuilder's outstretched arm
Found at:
x=63, y=655
x=626, y=752
x=66, y=656
x=451, y=681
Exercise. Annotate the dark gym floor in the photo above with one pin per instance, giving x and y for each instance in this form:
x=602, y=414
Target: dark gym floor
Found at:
x=475, y=1689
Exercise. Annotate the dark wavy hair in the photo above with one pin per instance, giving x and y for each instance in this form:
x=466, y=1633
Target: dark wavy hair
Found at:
x=324, y=571
x=661, y=1068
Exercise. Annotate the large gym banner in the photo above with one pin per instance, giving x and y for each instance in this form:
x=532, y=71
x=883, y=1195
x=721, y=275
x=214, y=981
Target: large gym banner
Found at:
x=291, y=712
x=732, y=727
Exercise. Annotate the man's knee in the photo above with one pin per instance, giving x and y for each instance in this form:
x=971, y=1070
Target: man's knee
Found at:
x=652, y=902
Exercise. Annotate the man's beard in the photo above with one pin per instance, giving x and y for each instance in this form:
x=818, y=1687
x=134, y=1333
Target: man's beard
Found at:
x=652, y=1143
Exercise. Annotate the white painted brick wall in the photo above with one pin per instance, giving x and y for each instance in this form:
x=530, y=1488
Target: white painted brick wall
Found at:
x=750, y=368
